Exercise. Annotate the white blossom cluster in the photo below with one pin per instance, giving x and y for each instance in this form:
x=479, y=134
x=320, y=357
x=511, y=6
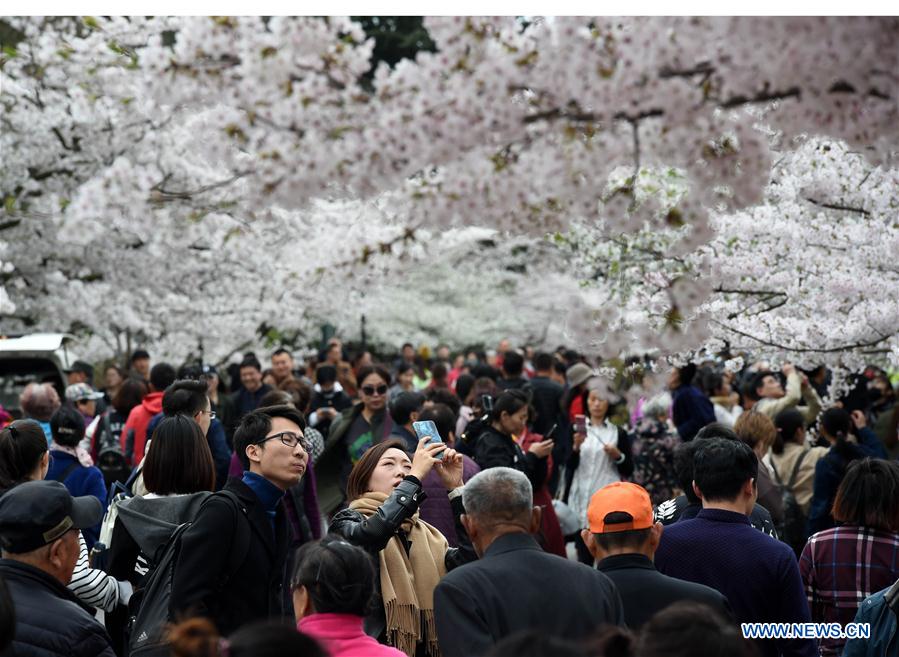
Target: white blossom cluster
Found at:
x=208, y=179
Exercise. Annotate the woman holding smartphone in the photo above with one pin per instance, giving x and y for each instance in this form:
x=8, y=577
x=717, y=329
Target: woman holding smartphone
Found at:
x=497, y=445
x=384, y=492
x=601, y=456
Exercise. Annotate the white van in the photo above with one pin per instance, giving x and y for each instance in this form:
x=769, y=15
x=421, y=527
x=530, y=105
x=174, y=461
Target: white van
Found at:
x=37, y=357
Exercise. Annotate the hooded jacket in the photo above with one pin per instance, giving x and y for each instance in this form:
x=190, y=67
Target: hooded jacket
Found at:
x=138, y=419
x=142, y=527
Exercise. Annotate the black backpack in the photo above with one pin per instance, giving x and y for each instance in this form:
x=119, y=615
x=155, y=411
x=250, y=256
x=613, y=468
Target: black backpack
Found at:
x=793, y=533
x=110, y=457
x=150, y=611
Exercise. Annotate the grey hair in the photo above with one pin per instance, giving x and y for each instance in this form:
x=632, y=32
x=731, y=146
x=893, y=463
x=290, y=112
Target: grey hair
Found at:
x=39, y=401
x=657, y=406
x=498, y=494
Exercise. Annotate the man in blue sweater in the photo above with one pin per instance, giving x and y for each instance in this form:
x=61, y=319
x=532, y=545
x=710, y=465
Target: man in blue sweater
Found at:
x=719, y=548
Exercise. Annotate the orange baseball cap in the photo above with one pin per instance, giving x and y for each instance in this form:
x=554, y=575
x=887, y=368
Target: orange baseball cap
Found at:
x=620, y=497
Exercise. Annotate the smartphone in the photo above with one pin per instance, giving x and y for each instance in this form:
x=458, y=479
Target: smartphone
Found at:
x=550, y=435
x=428, y=429
x=580, y=424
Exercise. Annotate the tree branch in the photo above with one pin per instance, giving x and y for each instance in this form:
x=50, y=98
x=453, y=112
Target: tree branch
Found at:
x=802, y=350
x=762, y=97
x=161, y=195
x=837, y=206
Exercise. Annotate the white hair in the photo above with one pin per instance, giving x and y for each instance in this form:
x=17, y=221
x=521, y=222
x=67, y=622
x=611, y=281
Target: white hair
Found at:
x=498, y=494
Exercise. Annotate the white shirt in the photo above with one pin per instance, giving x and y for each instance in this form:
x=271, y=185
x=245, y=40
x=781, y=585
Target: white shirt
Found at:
x=595, y=469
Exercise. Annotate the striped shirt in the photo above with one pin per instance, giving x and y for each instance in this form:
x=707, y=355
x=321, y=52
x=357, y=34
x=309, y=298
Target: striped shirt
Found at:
x=842, y=566
x=94, y=587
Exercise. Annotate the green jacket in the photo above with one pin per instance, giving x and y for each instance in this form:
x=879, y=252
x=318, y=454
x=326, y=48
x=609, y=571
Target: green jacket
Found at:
x=334, y=465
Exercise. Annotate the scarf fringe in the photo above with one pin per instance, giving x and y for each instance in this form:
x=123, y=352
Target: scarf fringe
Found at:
x=401, y=619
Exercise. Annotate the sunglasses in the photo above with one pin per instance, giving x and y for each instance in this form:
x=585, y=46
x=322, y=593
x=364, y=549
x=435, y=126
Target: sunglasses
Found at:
x=371, y=390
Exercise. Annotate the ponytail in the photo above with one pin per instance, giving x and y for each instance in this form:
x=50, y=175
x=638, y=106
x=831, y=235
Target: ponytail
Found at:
x=788, y=423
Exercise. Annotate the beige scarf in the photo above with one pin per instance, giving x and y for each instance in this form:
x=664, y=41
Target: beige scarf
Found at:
x=408, y=580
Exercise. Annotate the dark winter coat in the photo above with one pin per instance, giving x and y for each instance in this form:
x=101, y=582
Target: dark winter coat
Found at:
x=253, y=592
x=50, y=620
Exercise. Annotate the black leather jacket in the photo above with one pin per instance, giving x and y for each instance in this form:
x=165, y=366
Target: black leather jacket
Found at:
x=372, y=534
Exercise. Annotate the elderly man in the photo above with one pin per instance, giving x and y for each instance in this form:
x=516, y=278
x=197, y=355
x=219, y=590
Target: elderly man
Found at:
x=39, y=523
x=515, y=585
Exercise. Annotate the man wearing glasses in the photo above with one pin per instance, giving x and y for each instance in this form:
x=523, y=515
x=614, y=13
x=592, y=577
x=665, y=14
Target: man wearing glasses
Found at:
x=190, y=397
x=273, y=449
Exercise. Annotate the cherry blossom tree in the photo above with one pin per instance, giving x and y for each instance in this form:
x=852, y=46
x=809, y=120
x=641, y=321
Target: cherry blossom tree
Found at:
x=187, y=149
x=811, y=273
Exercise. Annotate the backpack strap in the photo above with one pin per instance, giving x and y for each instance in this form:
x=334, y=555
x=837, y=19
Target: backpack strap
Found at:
x=795, y=472
x=61, y=477
x=776, y=475
x=242, y=536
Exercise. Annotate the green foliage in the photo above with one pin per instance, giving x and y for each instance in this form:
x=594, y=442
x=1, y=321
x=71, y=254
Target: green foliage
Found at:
x=9, y=38
x=396, y=38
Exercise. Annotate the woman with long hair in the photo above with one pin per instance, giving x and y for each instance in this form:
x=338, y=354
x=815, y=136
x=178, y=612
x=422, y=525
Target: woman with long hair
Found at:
x=836, y=426
x=179, y=474
x=384, y=491
x=24, y=456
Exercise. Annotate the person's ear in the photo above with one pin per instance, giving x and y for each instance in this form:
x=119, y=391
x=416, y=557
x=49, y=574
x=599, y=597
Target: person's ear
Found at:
x=655, y=535
x=536, y=519
x=253, y=453
x=590, y=542
x=696, y=490
x=57, y=553
x=302, y=603
x=749, y=488
x=471, y=528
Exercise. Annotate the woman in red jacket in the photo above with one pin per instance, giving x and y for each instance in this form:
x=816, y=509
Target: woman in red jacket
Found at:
x=551, y=532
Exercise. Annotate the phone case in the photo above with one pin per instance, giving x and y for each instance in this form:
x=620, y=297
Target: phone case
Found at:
x=428, y=429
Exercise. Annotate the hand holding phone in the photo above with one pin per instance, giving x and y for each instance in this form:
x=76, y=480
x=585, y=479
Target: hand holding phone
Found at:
x=428, y=429
x=580, y=424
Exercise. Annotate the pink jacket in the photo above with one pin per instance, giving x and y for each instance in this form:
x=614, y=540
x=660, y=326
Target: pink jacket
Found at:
x=342, y=636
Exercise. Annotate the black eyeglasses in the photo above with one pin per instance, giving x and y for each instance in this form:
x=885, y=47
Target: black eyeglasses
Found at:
x=288, y=438
x=371, y=390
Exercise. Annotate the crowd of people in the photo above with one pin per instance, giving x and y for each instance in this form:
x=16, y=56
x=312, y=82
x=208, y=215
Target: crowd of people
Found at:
x=298, y=508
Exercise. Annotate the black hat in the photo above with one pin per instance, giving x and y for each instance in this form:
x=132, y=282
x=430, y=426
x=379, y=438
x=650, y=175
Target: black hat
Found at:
x=81, y=366
x=140, y=353
x=37, y=513
x=210, y=369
